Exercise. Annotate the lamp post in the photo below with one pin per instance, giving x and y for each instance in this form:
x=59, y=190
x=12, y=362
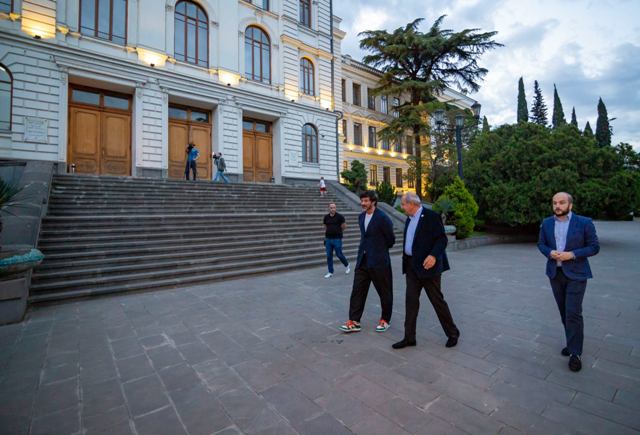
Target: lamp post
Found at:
x=459, y=125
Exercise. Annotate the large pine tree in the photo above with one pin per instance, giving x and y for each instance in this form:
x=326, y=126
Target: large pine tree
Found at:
x=485, y=125
x=603, y=131
x=523, y=112
x=539, y=108
x=558, y=118
x=574, y=119
x=588, y=132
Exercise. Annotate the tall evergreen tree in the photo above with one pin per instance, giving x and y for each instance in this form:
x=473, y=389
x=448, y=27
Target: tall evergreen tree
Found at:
x=422, y=65
x=485, y=125
x=603, y=131
x=523, y=112
x=588, y=132
x=558, y=114
x=539, y=108
x=574, y=120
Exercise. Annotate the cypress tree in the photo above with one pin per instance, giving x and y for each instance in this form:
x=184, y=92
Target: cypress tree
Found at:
x=558, y=114
x=523, y=112
x=588, y=132
x=485, y=125
x=603, y=132
x=574, y=120
x=539, y=108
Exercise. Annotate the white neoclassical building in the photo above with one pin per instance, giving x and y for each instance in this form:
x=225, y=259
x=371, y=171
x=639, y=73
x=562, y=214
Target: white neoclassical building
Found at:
x=121, y=87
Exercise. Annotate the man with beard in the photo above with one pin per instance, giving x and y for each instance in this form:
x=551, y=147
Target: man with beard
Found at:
x=373, y=264
x=567, y=239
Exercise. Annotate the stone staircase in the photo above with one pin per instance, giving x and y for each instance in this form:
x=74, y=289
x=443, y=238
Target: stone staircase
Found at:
x=109, y=235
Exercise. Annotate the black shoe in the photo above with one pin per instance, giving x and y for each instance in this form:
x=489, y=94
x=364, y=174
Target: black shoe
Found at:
x=451, y=342
x=403, y=343
x=565, y=352
x=574, y=363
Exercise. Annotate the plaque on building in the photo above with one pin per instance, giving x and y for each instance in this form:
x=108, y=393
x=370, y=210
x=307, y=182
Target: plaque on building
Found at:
x=36, y=130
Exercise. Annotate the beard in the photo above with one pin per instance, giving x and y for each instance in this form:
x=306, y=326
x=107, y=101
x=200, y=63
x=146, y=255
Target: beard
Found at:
x=560, y=212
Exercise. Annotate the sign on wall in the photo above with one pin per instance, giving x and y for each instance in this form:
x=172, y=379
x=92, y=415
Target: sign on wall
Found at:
x=36, y=130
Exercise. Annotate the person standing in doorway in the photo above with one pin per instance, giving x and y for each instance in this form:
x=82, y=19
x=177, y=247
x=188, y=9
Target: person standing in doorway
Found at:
x=192, y=155
x=221, y=166
x=334, y=224
x=323, y=187
x=373, y=264
x=567, y=239
x=424, y=259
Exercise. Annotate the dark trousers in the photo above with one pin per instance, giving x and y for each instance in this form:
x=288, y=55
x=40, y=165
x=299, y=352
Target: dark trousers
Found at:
x=334, y=245
x=569, y=295
x=415, y=284
x=191, y=165
x=382, y=281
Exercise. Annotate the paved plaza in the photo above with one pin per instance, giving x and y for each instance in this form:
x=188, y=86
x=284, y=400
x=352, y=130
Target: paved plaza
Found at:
x=263, y=356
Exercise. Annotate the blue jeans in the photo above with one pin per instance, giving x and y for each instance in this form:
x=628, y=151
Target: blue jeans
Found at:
x=220, y=174
x=569, y=294
x=331, y=245
x=191, y=166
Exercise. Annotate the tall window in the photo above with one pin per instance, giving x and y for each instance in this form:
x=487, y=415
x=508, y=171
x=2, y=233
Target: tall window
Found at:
x=385, y=144
x=398, y=177
x=6, y=83
x=257, y=55
x=357, y=94
x=309, y=143
x=410, y=182
x=373, y=175
x=345, y=165
x=409, y=142
x=305, y=12
x=6, y=6
x=191, y=34
x=384, y=104
x=357, y=133
x=386, y=174
x=344, y=131
x=373, y=142
x=307, y=77
x=396, y=103
x=105, y=19
x=265, y=5
x=371, y=99
x=344, y=90
x=398, y=146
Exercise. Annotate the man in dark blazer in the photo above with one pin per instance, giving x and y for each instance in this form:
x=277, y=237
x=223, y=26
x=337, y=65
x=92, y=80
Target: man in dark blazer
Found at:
x=567, y=239
x=424, y=260
x=373, y=264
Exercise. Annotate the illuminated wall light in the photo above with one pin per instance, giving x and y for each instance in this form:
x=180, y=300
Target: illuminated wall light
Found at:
x=392, y=153
x=151, y=58
x=228, y=78
x=325, y=104
x=380, y=152
x=350, y=147
x=366, y=149
x=35, y=26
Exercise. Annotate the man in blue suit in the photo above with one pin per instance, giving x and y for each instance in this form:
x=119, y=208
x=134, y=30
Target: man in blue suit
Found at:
x=424, y=259
x=373, y=265
x=567, y=239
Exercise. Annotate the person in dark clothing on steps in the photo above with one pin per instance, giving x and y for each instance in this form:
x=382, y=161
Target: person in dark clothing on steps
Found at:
x=192, y=155
x=334, y=224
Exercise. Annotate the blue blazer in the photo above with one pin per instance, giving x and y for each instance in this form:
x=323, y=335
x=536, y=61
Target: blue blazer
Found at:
x=377, y=240
x=429, y=239
x=581, y=240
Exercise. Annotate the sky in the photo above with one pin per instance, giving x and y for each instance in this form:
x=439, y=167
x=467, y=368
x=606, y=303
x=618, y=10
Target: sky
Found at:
x=587, y=48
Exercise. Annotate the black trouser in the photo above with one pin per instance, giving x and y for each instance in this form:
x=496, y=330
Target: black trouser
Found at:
x=382, y=281
x=415, y=284
x=190, y=165
x=569, y=295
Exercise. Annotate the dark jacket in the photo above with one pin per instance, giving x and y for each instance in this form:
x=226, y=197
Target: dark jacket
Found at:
x=581, y=240
x=376, y=241
x=429, y=239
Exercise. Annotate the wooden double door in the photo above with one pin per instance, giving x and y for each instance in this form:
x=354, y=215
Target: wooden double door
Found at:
x=189, y=125
x=257, y=151
x=99, y=132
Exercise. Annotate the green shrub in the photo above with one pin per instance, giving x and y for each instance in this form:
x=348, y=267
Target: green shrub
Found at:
x=356, y=177
x=386, y=193
x=460, y=207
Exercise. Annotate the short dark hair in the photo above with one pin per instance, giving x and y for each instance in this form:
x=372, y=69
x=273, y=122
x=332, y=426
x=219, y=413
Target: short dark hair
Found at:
x=371, y=194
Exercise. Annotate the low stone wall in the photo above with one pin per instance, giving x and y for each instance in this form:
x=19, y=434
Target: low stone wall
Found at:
x=21, y=228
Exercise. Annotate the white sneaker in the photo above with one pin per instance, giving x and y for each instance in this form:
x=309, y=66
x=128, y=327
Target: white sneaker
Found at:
x=328, y=275
x=348, y=271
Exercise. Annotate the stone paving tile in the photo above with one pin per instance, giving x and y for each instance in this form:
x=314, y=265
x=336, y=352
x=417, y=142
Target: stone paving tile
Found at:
x=63, y=422
x=177, y=359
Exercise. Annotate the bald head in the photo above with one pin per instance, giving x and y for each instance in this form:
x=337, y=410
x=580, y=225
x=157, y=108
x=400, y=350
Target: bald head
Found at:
x=562, y=204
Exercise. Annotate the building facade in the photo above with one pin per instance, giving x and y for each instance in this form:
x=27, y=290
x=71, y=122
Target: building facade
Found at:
x=365, y=115
x=120, y=87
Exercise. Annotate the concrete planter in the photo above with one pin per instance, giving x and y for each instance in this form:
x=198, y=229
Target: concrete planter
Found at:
x=15, y=270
